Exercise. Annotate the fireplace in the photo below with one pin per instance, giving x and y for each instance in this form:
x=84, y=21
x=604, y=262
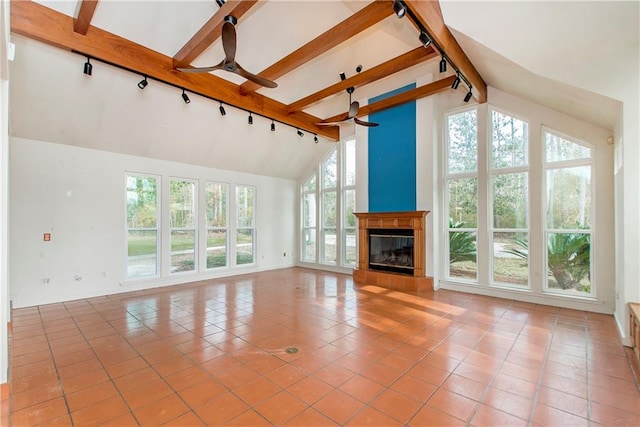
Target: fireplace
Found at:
x=391, y=250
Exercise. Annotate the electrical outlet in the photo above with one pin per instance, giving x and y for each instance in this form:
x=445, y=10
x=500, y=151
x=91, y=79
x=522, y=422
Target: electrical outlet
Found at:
x=46, y=280
x=284, y=254
x=77, y=277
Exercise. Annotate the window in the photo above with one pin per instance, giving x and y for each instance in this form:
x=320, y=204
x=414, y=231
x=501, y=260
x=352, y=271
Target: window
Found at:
x=216, y=207
x=329, y=194
x=245, y=228
x=349, y=204
x=309, y=213
x=509, y=190
x=142, y=226
x=182, y=223
x=462, y=194
x=568, y=206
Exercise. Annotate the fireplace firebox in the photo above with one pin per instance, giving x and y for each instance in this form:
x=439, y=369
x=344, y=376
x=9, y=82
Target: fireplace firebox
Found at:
x=391, y=250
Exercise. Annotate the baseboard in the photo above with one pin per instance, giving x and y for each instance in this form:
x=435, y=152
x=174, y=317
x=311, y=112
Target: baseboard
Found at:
x=622, y=333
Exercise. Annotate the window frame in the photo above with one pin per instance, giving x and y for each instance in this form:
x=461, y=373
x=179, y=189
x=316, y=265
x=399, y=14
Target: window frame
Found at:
x=304, y=229
x=195, y=227
x=225, y=187
x=238, y=227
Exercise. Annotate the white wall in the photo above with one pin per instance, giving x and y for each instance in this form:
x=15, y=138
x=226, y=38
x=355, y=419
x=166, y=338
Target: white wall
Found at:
x=78, y=195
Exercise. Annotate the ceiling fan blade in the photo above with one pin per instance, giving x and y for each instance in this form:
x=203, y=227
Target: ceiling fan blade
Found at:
x=329, y=123
x=229, y=42
x=201, y=69
x=367, y=124
x=353, y=109
x=256, y=79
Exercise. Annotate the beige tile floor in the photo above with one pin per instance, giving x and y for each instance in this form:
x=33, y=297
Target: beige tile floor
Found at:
x=214, y=353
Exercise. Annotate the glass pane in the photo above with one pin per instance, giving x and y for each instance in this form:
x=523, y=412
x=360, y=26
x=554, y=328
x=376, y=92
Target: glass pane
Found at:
x=510, y=200
x=309, y=210
x=463, y=202
x=350, y=162
x=216, y=195
x=510, y=141
x=142, y=253
x=183, y=253
x=142, y=202
x=310, y=185
x=349, y=208
x=559, y=149
x=511, y=258
x=182, y=205
x=329, y=209
x=569, y=262
x=350, y=247
x=330, y=171
x=216, y=248
x=309, y=251
x=244, y=206
x=244, y=246
x=463, y=142
x=569, y=197
x=462, y=255
x=329, y=252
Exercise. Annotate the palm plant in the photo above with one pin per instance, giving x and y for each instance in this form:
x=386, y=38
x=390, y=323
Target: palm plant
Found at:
x=568, y=257
x=462, y=244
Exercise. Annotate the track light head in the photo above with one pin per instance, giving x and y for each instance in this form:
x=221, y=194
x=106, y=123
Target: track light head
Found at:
x=315, y=139
x=399, y=8
x=358, y=68
x=185, y=97
x=443, y=65
x=88, y=68
x=456, y=83
x=343, y=76
x=273, y=126
x=250, y=119
x=143, y=83
x=300, y=134
x=424, y=39
x=468, y=96
x=223, y=112
x=220, y=2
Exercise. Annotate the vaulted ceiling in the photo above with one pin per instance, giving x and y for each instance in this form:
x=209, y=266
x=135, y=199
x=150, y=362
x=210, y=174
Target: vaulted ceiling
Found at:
x=281, y=41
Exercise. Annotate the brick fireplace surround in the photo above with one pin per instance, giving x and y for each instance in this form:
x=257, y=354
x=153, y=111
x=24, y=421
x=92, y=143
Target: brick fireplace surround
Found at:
x=413, y=220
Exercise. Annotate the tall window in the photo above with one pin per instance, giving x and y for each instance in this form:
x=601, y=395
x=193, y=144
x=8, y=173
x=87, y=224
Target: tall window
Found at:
x=309, y=213
x=462, y=194
x=245, y=227
x=509, y=190
x=183, y=223
x=216, y=200
x=142, y=226
x=329, y=194
x=568, y=206
x=349, y=204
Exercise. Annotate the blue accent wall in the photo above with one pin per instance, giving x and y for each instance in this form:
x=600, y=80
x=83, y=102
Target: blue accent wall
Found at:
x=392, y=157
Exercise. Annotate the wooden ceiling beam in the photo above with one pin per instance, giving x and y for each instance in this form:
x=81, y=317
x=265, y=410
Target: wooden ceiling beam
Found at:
x=356, y=23
x=38, y=22
x=85, y=15
x=210, y=32
x=399, y=99
x=399, y=63
x=430, y=16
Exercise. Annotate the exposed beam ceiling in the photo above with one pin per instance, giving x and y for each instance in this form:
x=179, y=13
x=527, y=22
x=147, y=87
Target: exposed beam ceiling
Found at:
x=399, y=99
x=399, y=63
x=210, y=32
x=430, y=16
x=356, y=23
x=38, y=22
x=85, y=14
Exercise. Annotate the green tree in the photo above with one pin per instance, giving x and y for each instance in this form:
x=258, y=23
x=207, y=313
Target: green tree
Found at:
x=462, y=244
